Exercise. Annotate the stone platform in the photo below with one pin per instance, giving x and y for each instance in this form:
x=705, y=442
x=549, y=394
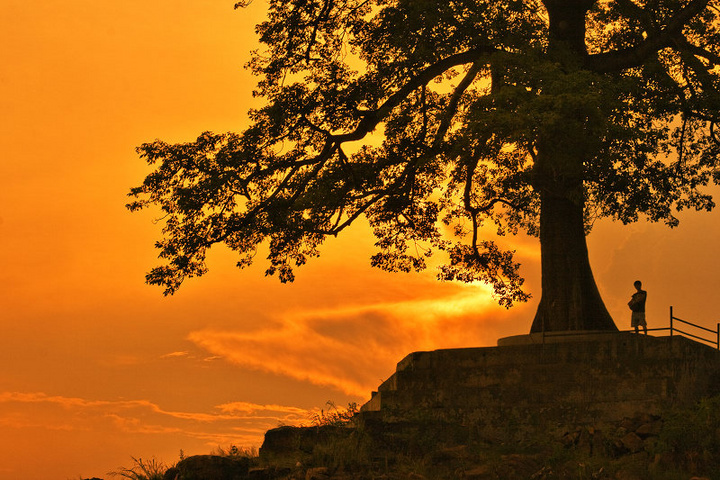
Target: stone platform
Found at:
x=574, y=336
x=524, y=381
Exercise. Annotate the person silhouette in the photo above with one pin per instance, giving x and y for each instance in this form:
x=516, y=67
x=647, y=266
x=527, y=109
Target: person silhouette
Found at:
x=637, y=305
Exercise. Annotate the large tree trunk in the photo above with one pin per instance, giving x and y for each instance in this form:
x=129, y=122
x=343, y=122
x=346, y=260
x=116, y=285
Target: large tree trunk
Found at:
x=570, y=298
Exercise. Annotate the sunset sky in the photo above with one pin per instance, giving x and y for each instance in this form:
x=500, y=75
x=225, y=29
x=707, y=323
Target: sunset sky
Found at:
x=97, y=367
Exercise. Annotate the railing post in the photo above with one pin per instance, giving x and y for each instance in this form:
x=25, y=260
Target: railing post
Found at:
x=671, y=321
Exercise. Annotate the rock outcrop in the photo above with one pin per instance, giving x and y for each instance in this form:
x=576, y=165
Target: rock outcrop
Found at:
x=209, y=467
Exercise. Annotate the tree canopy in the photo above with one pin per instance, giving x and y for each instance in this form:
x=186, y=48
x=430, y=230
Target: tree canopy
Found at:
x=433, y=119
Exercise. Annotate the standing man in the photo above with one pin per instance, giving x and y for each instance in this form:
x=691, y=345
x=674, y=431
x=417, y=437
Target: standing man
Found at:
x=637, y=305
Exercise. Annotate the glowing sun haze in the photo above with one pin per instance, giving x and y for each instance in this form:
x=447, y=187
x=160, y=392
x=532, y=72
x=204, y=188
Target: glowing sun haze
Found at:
x=97, y=366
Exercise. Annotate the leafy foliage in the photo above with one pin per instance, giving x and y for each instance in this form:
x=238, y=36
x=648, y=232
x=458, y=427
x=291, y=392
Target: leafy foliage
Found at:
x=437, y=120
x=695, y=430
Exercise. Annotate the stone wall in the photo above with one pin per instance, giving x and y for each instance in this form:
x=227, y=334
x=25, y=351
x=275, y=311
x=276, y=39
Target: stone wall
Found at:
x=597, y=379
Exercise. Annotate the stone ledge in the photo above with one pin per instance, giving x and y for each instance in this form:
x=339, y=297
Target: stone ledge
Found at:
x=592, y=376
x=559, y=337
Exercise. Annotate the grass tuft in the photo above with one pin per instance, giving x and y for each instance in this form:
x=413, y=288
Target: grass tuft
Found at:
x=142, y=470
x=335, y=416
x=235, y=452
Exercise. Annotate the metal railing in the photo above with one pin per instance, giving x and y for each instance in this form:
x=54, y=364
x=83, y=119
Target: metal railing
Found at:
x=673, y=320
x=715, y=341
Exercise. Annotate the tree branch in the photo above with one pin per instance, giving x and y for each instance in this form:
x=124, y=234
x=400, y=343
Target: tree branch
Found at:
x=372, y=118
x=642, y=15
x=316, y=26
x=637, y=55
x=449, y=112
x=697, y=51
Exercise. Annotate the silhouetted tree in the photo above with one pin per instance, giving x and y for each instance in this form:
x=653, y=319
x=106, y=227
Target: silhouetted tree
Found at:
x=433, y=118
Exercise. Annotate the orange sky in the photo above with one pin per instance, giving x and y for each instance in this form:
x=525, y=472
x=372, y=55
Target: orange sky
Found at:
x=97, y=366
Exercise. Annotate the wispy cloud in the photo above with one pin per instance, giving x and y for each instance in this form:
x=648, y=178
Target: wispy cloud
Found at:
x=241, y=423
x=251, y=408
x=175, y=355
x=352, y=347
